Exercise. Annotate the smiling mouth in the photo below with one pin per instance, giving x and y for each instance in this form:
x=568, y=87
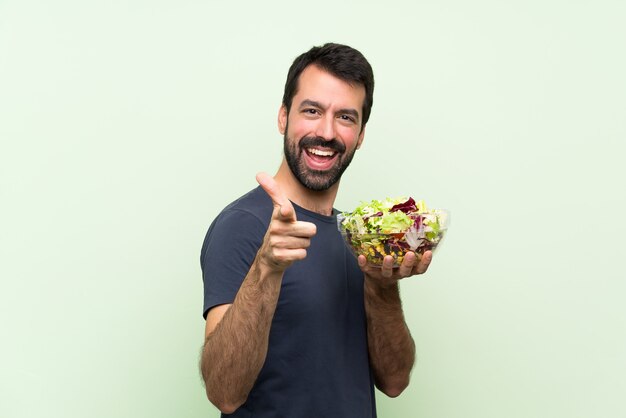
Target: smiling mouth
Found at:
x=320, y=152
x=320, y=159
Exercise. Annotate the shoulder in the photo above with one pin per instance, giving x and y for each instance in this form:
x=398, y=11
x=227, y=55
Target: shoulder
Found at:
x=254, y=205
x=241, y=222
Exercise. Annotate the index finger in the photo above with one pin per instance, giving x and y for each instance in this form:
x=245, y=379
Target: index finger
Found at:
x=279, y=199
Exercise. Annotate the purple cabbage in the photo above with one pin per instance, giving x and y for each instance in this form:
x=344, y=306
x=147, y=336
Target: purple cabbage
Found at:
x=406, y=207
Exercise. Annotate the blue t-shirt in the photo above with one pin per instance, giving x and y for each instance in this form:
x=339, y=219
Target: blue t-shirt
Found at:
x=317, y=363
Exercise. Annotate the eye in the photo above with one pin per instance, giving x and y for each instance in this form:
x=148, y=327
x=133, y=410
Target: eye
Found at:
x=310, y=111
x=347, y=118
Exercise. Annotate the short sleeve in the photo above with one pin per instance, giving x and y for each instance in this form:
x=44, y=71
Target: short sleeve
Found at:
x=229, y=249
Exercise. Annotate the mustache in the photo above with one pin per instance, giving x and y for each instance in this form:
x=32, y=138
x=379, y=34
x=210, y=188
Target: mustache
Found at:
x=317, y=141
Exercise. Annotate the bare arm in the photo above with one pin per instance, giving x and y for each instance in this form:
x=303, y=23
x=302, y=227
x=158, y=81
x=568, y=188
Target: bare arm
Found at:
x=391, y=347
x=236, y=339
x=236, y=336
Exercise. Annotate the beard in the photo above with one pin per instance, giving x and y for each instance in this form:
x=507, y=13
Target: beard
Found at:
x=316, y=180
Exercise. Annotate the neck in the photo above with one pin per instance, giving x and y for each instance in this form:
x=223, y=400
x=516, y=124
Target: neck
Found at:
x=318, y=202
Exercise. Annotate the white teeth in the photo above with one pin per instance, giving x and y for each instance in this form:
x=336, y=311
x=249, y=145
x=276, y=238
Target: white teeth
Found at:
x=320, y=152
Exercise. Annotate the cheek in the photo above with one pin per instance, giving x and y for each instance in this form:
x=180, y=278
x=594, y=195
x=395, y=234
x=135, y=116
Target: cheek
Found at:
x=349, y=136
x=299, y=129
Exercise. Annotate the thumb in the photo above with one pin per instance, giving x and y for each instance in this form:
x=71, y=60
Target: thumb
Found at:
x=280, y=201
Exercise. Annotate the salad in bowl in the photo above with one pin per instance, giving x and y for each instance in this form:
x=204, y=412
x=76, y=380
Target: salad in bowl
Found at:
x=393, y=226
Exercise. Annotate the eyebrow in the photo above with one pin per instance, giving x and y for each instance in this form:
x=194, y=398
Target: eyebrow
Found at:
x=346, y=111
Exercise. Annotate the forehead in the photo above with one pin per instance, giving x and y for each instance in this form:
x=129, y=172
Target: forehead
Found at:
x=321, y=86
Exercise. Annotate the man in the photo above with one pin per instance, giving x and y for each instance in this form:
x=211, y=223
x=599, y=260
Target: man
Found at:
x=295, y=325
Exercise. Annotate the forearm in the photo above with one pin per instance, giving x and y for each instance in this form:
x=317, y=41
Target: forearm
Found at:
x=391, y=347
x=235, y=351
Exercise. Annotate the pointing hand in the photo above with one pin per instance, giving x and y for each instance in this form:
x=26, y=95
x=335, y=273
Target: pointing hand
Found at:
x=287, y=238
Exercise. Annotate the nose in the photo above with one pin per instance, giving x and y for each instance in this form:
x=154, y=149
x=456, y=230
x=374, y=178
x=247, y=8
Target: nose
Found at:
x=326, y=128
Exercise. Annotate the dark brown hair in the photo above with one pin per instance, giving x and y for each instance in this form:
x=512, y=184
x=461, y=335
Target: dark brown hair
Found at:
x=341, y=61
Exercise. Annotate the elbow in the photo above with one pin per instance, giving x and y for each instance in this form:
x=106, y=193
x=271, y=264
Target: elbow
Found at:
x=226, y=406
x=216, y=393
x=393, y=389
x=393, y=392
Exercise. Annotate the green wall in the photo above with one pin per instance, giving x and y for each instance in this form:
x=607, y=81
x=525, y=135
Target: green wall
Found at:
x=125, y=126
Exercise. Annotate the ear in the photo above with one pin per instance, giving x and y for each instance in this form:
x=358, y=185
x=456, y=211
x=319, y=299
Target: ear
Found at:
x=361, y=136
x=282, y=119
